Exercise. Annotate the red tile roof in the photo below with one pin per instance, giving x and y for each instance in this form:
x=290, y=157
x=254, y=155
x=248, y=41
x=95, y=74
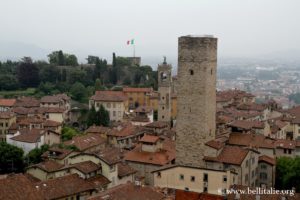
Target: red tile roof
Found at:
x=184, y=195
x=125, y=170
x=285, y=144
x=124, y=130
x=110, y=155
x=98, y=129
x=267, y=159
x=48, y=166
x=218, y=143
x=7, y=115
x=109, y=96
x=7, y=102
x=129, y=191
x=157, y=124
x=248, y=125
x=50, y=99
x=86, y=167
x=18, y=187
x=230, y=155
x=57, y=153
x=162, y=157
x=51, y=123
x=251, y=140
x=27, y=102
x=28, y=136
x=149, y=138
x=64, y=186
x=84, y=142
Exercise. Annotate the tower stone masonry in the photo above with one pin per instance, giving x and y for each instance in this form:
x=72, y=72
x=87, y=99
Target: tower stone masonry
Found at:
x=196, y=98
x=164, y=91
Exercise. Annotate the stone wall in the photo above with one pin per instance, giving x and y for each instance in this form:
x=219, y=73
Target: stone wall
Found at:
x=196, y=98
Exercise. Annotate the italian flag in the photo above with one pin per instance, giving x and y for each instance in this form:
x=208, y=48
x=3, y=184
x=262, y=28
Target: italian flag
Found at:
x=130, y=42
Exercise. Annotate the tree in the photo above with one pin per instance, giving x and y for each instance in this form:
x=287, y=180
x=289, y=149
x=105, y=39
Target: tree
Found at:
x=288, y=173
x=92, y=117
x=27, y=73
x=67, y=133
x=103, y=116
x=92, y=59
x=34, y=156
x=49, y=73
x=11, y=158
x=78, y=91
x=77, y=75
x=98, y=84
x=70, y=60
x=61, y=58
x=8, y=82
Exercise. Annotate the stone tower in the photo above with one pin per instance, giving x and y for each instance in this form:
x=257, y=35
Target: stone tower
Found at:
x=196, y=98
x=164, y=91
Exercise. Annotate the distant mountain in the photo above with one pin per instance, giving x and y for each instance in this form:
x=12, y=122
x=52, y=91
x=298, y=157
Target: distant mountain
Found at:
x=17, y=50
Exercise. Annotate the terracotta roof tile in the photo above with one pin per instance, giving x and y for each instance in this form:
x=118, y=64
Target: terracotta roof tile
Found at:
x=157, y=124
x=7, y=102
x=86, y=167
x=84, y=142
x=28, y=136
x=129, y=191
x=251, y=140
x=230, y=155
x=18, y=187
x=125, y=170
x=286, y=144
x=48, y=166
x=267, y=159
x=57, y=153
x=99, y=181
x=27, y=102
x=110, y=155
x=7, y=115
x=149, y=138
x=248, y=125
x=98, y=129
x=64, y=186
x=161, y=157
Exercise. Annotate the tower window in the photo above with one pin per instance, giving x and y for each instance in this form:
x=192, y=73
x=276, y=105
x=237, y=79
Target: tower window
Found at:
x=191, y=72
x=163, y=107
x=211, y=71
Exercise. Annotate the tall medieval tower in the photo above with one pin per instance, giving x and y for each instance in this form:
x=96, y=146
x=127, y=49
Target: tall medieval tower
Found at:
x=196, y=98
x=164, y=91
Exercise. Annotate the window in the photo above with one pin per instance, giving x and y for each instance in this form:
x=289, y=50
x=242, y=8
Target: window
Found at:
x=192, y=178
x=205, y=189
x=253, y=173
x=186, y=189
x=263, y=166
x=285, y=150
x=263, y=176
x=224, y=178
x=163, y=117
x=253, y=160
x=114, y=113
x=181, y=177
x=205, y=177
x=108, y=105
x=290, y=151
x=191, y=72
x=246, y=177
x=114, y=105
x=163, y=107
x=158, y=175
x=211, y=72
x=247, y=163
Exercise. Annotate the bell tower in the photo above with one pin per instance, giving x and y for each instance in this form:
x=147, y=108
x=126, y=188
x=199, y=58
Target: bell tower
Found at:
x=164, y=91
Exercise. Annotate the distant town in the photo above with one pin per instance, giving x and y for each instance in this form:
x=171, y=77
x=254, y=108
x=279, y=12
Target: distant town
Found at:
x=123, y=131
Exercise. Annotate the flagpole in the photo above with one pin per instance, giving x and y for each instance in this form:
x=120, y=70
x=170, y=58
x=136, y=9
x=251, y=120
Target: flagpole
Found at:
x=133, y=50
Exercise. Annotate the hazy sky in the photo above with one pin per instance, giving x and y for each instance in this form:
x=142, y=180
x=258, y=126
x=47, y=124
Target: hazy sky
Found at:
x=244, y=27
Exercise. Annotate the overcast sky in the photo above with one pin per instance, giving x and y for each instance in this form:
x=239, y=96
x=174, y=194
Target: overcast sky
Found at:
x=244, y=27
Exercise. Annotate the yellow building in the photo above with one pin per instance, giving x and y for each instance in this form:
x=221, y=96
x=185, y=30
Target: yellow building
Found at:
x=154, y=103
x=194, y=179
x=138, y=96
x=115, y=102
x=6, y=120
